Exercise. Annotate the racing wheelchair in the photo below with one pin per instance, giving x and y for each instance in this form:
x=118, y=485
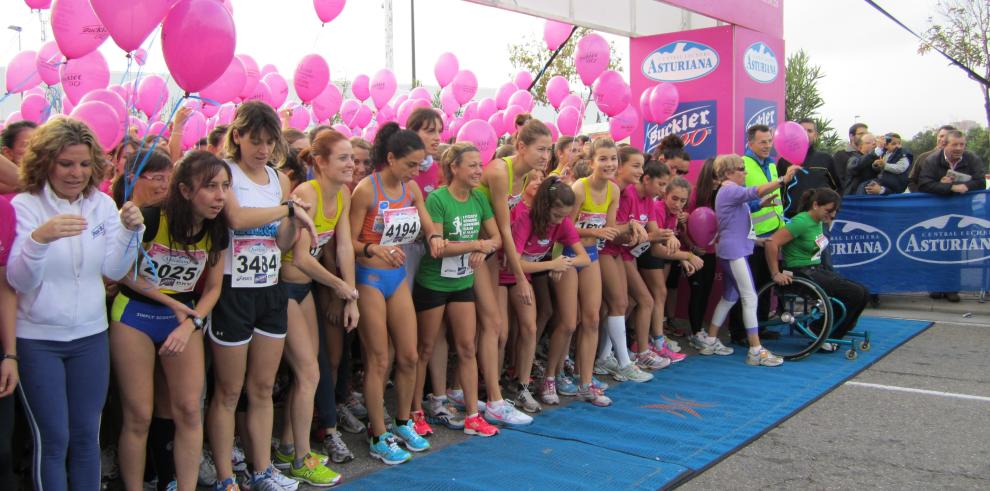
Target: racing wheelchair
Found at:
x=803, y=316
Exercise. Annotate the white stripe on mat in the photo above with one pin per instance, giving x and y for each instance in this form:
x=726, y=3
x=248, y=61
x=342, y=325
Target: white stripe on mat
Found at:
x=921, y=391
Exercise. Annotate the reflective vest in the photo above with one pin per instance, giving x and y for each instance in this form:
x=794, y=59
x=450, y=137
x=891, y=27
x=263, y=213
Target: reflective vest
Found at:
x=768, y=219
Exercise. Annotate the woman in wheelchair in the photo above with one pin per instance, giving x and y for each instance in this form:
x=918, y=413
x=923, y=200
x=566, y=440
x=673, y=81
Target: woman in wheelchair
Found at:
x=803, y=241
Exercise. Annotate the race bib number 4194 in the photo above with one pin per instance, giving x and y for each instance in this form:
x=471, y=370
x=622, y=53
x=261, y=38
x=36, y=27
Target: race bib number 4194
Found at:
x=401, y=226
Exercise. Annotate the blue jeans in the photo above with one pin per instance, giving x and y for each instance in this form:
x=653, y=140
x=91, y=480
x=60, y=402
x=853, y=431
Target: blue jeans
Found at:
x=63, y=388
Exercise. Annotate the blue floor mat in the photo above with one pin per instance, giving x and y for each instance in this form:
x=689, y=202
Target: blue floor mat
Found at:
x=704, y=408
x=655, y=435
x=515, y=460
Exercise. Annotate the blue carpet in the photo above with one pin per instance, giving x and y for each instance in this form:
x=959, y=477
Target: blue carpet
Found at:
x=656, y=434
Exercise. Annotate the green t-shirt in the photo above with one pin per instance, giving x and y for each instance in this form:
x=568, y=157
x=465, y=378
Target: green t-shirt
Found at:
x=461, y=222
x=809, y=241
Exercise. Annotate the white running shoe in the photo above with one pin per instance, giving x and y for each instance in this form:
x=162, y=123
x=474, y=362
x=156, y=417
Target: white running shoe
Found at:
x=632, y=373
x=504, y=412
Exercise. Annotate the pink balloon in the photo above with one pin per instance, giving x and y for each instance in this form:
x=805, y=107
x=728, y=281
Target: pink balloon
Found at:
x=82, y=75
x=102, y=120
x=470, y=111
x=229, y=7
x=193, y=130
x=140, y=56
x=455, y=126
x=407, y=108
x=279, y=88
x=261, y=93
x=141, y=126
x=312, y=76
x=644, y=104
x=78, y=31
x=702, y=224
x=328, y=10
x=790, y=139
x=663, y=101
x=382, y=87
x=385, y=115
x=486, y=107
x=509, y=118
x=554, y=132
x=445, y=69
x=226, y=113
x=496, y=120
x=13, y=118
x=363, y=117
x=348, y=109
x=482, y=135
x=22, y=72
x=523, y=80
x=572, y=100
x=128, y=22
x=300, y=118
x=67, y=105
x=465, y=86
x=327, y=103
x=448, y=102
x=35, y=90
x=151, y=94
x=38, y=4
x=611, y=93
x=35, y=108
x=399, y=100
x=210, y=110
x=622, y=125
x=48, y=60
x=119, y=90
x=555, y=33
x=591, y=57
x=504, y=93
x=569, y=121
x=523, y=99
x=158, y=128
x=370, y=132
x=193, y=104
x=360, y=87
x=229, y=85
x=251, y=76
x=342, y=129
x=557, y=89
x=113, y=100
x=420, y=93
x=269, y=68
x=198, y=39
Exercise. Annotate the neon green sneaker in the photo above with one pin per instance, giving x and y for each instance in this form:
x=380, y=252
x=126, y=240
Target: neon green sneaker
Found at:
x=283, y=461
x=315, y=473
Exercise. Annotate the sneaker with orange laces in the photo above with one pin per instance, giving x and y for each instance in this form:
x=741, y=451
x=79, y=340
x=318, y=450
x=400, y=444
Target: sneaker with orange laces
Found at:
x=420, y=425
x=477, y=425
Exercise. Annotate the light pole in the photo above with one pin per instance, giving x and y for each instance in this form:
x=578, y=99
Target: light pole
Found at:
x=18, y=30
x=412, y=24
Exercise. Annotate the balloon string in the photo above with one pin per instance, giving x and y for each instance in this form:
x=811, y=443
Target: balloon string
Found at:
x=127, y=71
x=19, y=85
x=130, y=181
x=132, y=94
x=788, y=193
x=205, y=99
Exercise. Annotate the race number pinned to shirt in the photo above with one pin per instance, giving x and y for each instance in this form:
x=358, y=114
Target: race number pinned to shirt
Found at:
x=514, y=200
x=256, y=262
x=176, y=271
x=822, y=242
x=587, y=220
x=321, y=240
x=401, y=226
x=456, y=266
x=639, y=249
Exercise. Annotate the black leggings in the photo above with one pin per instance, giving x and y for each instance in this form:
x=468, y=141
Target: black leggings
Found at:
x=7, y=480
x=853, y=295
x=701, y=290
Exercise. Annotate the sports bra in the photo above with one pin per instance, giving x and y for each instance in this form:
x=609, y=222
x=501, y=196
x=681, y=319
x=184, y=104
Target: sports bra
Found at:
x=514, y=199
x=374, y=221
x=324, y=226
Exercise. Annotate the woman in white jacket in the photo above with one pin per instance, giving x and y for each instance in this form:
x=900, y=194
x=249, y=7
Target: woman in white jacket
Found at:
x=69, y=236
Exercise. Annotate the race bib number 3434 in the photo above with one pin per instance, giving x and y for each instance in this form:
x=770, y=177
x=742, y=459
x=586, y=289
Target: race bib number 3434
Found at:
x=256, y=262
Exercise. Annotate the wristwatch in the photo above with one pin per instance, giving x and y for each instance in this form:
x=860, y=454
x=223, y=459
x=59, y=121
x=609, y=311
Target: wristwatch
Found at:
x=292, y=208
x=8, y=356
x=781, y=181
x=198, y=321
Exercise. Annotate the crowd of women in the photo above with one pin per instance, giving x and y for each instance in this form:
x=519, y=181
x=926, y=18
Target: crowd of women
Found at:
x=539, y=272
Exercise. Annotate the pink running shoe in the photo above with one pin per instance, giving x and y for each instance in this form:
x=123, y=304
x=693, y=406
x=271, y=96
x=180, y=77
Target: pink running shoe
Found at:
x=665, y=352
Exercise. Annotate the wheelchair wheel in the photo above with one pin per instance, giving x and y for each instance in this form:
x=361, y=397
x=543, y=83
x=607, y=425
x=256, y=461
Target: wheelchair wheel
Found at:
x=800, y=314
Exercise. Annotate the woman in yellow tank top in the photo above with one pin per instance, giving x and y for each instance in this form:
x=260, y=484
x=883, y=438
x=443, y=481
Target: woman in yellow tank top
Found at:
x=332, y=160
x=566, y=152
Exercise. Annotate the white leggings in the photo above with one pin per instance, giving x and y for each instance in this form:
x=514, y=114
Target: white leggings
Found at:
x=738, y=284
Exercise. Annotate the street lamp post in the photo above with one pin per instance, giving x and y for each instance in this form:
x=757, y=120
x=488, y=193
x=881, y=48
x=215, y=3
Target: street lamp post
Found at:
x=18, y=30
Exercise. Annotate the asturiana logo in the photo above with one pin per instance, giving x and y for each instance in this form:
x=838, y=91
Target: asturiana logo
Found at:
x=855, y=244
x=760, y=63
x=948, y=239
x=680, y=61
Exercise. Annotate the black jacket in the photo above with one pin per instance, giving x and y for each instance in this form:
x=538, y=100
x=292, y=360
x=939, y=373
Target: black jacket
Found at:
x=818, y=171
x=935, y=167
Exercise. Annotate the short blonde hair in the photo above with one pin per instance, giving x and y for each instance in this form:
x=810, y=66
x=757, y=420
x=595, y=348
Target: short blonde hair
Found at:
x=725, y=164
x=48, y=141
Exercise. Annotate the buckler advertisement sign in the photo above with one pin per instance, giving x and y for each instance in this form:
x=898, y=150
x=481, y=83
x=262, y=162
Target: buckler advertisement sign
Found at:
x=695, y=123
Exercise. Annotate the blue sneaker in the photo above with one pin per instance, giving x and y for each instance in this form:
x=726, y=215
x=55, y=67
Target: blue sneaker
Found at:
x=566, y=386
x=229, y=484
x=387, y=450
x=414, y=442
x=598, y=383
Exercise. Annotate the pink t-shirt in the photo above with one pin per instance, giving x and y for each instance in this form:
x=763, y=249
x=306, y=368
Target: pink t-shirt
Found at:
x=429, y=179
x=532, y=248
x=8, y=228
x=632, y=208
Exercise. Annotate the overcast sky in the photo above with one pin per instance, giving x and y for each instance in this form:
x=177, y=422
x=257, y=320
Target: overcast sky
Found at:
x=874, y=73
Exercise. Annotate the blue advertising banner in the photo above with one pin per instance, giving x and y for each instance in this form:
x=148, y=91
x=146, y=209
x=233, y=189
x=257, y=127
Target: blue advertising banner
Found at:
x=694, y=122
x=758, y=111
x=914, y=242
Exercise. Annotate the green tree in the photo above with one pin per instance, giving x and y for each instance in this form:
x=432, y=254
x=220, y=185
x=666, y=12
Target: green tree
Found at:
x=802, y=99
x=921, y=142
x=532, y=53
x=961, y=30
x=978, y=142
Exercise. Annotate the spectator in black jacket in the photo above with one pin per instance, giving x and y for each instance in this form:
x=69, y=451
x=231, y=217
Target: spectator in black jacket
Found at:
x=884, y=171
x=817, y=171
x=841, y=157
x=865, y=145
x=939, y=145
x=949, y=172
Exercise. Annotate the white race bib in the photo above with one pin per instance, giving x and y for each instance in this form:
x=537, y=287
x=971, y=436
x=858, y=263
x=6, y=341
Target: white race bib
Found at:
x=178, y=271
x=401, y=226
x=589, y=220
x=256, y=262
x=456, y=266
x=822, y=242
x=321, y=240
x=639, y=249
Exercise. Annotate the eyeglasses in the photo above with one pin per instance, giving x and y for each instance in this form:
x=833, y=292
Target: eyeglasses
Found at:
x=157, y=178
x=740, y=169
x=681, y=172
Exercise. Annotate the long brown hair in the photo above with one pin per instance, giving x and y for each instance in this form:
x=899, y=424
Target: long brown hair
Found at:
x=194, y=171
x=553, y=193
x=255, y=118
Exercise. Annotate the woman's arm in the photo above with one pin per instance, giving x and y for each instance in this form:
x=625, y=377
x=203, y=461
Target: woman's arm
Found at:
x=497, y=177
x=772, y=247
x=8, y=338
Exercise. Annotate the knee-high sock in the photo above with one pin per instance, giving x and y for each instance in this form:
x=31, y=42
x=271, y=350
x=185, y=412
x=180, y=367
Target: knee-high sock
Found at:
x=617, y=334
